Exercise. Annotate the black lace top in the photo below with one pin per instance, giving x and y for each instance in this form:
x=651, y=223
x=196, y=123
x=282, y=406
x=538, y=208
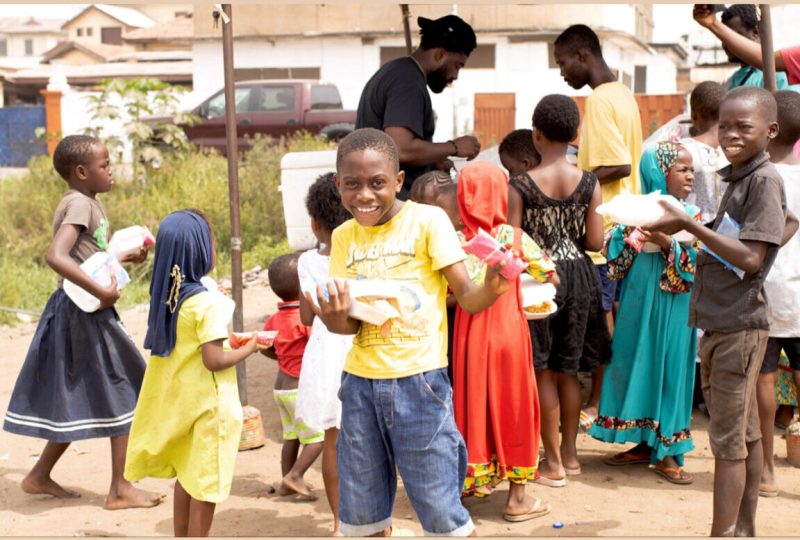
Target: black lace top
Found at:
x=557, y=225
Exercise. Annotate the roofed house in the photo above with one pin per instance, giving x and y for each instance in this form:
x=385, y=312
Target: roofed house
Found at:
x=75, y=53
x=101, y=23
x=172, y=35
x=28, y=37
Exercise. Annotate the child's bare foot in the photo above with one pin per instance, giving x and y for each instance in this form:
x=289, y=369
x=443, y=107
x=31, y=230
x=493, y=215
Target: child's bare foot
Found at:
x=297, y=485
x=46, y=486
x=128, y=496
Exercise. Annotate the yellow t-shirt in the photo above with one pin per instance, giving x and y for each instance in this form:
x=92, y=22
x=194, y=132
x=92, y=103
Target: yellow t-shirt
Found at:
x=188, y=420
x=410, y=249
x=611, y=134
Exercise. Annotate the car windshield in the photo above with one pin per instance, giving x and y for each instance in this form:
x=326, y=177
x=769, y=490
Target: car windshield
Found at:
x=325, y=96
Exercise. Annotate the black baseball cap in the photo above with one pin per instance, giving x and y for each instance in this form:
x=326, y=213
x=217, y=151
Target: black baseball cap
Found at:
x=449, y=32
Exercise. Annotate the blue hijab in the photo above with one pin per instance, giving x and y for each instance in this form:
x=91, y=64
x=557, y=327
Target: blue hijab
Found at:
x=184, y=254
x=656, y=162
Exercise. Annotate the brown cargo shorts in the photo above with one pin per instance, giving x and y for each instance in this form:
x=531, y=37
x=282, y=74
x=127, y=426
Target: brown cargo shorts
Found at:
x=729, y=368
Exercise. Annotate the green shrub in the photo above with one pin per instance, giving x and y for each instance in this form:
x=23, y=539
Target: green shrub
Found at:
x=199, y=180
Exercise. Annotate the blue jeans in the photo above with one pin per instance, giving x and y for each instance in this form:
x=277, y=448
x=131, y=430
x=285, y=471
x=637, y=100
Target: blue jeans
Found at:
x=403, y=425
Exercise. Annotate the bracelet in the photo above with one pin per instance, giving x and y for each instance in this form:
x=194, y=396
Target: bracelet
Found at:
x=455, y=146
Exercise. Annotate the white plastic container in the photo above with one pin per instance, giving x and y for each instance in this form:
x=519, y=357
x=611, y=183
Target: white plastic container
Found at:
x=298, y=171
x=129, y=240
x=535, y=292
x=99, y=267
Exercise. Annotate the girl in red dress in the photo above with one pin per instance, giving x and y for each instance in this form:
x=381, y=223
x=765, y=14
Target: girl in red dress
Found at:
x=495, y=398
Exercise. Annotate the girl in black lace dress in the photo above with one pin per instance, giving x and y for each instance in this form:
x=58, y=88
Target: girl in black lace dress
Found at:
x=555, y=204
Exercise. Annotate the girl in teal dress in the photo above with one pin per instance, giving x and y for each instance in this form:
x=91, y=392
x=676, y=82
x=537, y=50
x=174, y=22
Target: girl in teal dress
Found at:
x=648, y=385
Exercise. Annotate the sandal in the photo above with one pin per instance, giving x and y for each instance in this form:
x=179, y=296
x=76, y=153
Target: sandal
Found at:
x=626, y=458
x=676, y=475
x=537, y=509
x=550, y=482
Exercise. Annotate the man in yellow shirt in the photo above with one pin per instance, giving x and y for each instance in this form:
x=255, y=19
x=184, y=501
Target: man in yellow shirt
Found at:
x=610, y=146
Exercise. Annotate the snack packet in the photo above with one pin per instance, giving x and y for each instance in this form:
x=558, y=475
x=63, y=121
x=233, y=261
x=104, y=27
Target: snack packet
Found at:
x=264, y=337
x=492, y=252
x=727, y=227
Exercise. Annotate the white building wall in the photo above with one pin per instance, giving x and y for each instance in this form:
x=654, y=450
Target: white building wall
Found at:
x=520, y=68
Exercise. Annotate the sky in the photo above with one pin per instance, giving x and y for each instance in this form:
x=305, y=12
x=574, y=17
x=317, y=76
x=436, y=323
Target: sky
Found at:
x=44, y=11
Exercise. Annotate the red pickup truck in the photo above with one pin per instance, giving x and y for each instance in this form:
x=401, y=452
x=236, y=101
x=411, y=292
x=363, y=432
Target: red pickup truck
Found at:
x=275, y=108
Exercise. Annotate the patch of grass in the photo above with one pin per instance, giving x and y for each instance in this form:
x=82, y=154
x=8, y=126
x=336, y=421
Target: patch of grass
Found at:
x=199, y=180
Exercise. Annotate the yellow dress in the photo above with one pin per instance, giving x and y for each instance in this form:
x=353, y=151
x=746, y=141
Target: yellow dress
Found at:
x=188, y=420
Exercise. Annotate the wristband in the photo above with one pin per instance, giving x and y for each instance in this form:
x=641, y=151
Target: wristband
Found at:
x=455, y=147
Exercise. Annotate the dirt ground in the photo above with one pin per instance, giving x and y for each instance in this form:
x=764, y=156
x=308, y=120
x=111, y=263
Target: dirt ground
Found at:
x=603, y=501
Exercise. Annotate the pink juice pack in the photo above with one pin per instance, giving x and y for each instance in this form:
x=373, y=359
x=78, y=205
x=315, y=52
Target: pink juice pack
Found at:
x=492, y=252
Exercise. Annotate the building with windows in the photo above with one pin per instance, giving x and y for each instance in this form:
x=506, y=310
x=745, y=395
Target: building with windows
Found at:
x=507, y=74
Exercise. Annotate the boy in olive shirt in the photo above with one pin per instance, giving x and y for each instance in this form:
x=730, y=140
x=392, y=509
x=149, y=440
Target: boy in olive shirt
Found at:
x=732, y=310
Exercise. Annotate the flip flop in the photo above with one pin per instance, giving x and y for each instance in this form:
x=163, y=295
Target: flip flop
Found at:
x=626, y=458
x=572, y=472
x=585, y=421
x=537, y=509
x=768, y=493
x=550, y=482
x=676, y=475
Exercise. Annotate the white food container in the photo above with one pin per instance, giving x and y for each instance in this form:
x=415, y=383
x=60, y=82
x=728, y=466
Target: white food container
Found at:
x=99, y=267
x=535, y=292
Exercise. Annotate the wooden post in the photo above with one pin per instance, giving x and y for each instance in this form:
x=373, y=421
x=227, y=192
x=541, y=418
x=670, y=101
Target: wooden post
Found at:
x=767, y=51
x=406, y=27
x=233, y=188
x=52, y=113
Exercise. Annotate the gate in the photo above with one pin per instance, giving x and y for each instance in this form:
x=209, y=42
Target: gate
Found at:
x=494, y=117
x=654, y=109
x=18, y=142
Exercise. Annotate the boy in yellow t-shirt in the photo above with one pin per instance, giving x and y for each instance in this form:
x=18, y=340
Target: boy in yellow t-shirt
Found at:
x=397, y=411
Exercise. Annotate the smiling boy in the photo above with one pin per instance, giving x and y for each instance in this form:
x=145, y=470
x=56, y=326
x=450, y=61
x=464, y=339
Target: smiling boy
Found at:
x=731, y=310
x=397, y=411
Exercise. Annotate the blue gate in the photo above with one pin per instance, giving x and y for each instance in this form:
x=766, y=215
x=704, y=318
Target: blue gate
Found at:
x=18, y=142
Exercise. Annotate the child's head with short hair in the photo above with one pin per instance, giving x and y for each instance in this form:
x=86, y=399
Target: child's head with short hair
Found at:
x=556, y=119
x=704, y=104
x=517, y=153
x=283, y=277
x=748, y=120
x=368, y=176
x=447, y=200
x=83, y=162
x=325, y=208
x=427, y=186
x=788, y=103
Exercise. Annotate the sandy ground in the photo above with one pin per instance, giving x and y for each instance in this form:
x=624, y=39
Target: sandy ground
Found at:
x=603, y=501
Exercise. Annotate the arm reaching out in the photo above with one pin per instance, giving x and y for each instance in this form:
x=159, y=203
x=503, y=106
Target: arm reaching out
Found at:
x=747, y=255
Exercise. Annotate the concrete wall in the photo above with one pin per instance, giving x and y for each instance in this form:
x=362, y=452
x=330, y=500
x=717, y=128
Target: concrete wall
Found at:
x=520, y=68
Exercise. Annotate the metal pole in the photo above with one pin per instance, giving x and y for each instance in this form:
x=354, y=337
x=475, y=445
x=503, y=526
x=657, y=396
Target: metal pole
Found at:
x=233, y=189
x=767, y=52
x=406, y=27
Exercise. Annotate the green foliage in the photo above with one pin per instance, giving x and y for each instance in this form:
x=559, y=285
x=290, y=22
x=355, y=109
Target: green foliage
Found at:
x=151, y=110
x=197, y=180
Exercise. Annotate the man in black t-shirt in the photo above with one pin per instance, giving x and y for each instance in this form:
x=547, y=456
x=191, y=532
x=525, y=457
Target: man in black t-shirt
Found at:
x=396, y=99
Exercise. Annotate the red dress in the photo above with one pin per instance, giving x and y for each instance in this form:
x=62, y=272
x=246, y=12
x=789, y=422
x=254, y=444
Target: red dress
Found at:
x=495, y=398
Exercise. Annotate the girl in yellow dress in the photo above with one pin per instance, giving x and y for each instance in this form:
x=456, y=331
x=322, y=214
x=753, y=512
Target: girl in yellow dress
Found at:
x=188, y=419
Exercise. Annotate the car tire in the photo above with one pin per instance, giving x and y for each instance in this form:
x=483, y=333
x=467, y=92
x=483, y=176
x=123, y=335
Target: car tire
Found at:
x=337, y=132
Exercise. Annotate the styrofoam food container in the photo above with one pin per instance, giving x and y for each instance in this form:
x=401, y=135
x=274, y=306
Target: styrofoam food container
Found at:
x=372, y=287
x=536, y=292
x=99, y=266
x=636, y=210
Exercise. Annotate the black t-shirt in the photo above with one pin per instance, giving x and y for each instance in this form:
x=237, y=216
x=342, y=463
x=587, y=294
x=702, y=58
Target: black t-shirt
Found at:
x=397, y=95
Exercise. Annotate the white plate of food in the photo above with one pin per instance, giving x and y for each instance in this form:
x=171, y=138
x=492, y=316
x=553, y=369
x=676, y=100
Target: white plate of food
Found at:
x=537, y=298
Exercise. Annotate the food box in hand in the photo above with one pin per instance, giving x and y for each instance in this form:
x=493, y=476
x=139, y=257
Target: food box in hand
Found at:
x=537, y=298
x=492, y=252
x=641, y=210
x=264, y=337
x=129, y=241
x=373, y=300
x=100, y=267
